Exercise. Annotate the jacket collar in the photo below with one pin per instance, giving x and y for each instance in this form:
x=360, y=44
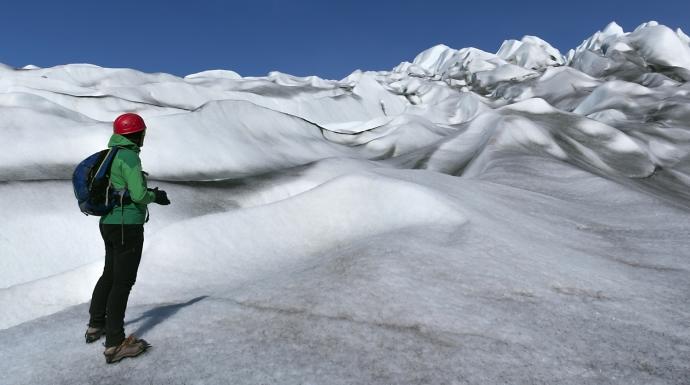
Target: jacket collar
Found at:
x=120, y=141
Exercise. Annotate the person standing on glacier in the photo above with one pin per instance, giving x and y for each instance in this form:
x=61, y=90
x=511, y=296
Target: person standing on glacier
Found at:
x=123, y=234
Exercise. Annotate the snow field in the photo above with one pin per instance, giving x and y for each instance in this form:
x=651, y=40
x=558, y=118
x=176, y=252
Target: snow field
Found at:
x=429, y=301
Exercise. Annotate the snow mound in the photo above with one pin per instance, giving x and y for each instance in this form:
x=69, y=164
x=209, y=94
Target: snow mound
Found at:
x=659, y=45
x=214, y=75
x=530, y=52
x=264, y=238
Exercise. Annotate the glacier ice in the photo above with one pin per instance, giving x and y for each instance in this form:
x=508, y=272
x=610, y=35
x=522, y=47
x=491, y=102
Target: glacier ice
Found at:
x=465, y=211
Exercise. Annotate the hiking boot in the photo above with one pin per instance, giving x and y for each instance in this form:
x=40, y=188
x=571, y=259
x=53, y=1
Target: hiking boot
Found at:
x=130, y=347
x=94, y=334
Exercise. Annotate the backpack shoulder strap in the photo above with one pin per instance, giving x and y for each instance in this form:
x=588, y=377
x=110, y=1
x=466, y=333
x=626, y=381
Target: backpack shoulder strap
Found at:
x=107, y=162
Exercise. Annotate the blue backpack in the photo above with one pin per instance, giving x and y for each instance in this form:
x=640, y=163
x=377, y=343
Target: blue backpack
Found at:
x=91, y=182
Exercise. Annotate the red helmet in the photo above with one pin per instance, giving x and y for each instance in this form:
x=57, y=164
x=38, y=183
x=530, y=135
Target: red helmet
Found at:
x=128, y=124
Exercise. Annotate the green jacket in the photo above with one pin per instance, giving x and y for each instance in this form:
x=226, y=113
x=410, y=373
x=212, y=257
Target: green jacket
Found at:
x=126, y=173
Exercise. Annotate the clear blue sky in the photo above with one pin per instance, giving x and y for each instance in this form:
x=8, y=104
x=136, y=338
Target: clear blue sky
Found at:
x=328, y=38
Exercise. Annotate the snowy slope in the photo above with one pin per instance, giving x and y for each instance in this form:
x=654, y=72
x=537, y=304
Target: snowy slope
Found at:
x=467, y=217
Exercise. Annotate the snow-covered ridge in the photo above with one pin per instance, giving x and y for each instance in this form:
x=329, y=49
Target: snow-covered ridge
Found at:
x=366, y=115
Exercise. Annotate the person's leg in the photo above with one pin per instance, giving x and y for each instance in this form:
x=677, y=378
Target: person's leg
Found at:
x=126, y=259
x=101, y=291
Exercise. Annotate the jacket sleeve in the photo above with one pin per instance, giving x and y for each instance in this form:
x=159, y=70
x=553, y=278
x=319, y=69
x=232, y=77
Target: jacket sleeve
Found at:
x=134, y=179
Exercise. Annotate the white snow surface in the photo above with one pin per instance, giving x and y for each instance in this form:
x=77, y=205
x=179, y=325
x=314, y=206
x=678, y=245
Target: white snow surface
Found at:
x=465, y=218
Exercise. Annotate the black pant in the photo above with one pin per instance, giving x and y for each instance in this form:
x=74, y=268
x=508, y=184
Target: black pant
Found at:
x=123, y=245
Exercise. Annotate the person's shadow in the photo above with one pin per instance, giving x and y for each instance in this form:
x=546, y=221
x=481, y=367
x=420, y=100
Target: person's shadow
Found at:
x=159, y=314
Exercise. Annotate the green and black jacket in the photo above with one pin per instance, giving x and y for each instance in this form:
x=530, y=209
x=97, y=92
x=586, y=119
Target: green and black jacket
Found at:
x=126, y=173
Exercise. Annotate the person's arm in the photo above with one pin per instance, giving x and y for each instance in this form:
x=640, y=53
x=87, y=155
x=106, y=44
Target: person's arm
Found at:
x=134, y=180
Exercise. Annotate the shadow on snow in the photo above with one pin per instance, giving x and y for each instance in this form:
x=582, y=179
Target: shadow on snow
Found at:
x=159, y=314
